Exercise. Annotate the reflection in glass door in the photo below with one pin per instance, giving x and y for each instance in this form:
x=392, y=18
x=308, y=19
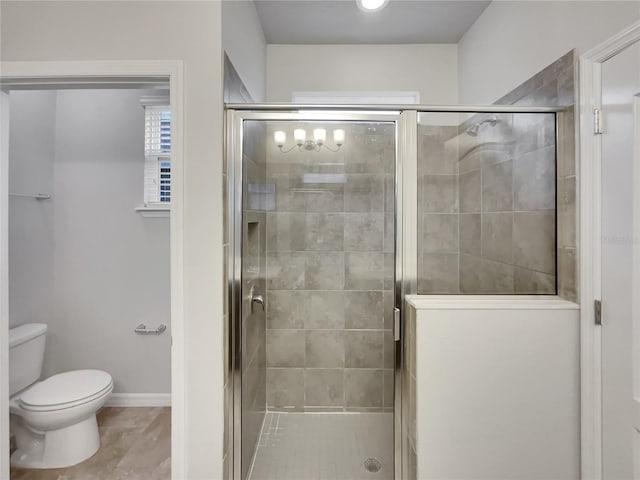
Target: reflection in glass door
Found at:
x=316, y=348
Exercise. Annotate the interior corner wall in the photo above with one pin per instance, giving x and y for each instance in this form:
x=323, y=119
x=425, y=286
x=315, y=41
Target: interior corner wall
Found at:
x=430, y=69
x=513, y=40
x=104, y=30
x=243, y=41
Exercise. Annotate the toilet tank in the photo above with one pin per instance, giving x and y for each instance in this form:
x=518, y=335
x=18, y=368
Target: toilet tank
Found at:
x=26, y=352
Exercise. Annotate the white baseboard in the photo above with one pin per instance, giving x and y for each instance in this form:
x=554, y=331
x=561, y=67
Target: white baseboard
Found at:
x=139, y=400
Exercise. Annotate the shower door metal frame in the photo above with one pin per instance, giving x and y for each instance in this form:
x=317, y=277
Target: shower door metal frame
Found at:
x=406, y=220
x=235, y=117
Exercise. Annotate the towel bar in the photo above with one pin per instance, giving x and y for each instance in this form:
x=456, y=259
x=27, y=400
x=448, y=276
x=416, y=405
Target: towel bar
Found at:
x=143, y=330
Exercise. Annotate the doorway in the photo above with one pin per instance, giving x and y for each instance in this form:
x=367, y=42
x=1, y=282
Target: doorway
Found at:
x=102, y=77
x=315, y=288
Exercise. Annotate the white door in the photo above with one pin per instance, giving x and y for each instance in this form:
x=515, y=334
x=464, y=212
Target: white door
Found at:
x=620, y=288
x=636, y=287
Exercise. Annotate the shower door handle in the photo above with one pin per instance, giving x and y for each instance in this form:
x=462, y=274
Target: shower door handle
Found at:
x=255, y=298
x=259, y=299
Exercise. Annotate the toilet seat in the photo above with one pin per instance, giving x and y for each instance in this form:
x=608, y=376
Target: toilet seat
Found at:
x=66, y=390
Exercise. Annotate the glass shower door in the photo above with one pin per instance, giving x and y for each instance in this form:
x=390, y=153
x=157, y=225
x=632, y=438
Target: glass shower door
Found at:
x=317, y=353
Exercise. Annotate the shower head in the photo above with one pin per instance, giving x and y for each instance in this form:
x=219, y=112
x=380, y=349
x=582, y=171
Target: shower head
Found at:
x=472, y=131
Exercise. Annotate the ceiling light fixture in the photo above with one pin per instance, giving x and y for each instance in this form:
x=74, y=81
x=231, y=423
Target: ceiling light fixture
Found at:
x=315, y=144
x=371, y=5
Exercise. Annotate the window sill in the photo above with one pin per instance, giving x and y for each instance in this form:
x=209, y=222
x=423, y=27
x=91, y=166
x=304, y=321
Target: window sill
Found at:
x=154, y=212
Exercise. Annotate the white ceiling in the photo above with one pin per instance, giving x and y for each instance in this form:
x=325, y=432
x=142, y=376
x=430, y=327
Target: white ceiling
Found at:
x=341, y=22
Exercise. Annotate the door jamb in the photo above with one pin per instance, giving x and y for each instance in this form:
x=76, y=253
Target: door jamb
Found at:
x=590, y=161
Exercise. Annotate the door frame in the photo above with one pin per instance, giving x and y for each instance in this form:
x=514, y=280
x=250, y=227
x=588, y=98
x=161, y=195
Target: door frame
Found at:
x=234, y=169
x=590, y=217
x=43, y=73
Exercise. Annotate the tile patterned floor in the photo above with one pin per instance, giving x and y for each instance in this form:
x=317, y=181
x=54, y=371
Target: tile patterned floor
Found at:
x=324, y=446
x=136, y=445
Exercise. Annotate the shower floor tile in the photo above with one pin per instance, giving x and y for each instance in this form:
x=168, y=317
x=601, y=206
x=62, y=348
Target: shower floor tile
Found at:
x=324, y=446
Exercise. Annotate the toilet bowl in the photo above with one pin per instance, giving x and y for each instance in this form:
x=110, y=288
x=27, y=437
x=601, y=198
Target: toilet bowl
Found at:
x=54, y=420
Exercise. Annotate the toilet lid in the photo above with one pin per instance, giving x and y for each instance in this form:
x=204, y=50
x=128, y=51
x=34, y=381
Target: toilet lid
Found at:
x=66, y=388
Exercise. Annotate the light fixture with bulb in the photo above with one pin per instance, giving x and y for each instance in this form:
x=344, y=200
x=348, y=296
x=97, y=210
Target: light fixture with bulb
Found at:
x=309, y=144
x=371, y=5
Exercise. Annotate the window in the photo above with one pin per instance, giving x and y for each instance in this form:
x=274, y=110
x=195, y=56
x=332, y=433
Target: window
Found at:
x=157, y=152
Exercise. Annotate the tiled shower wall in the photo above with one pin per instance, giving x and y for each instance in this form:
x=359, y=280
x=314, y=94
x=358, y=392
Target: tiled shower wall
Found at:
x=330, y=274
x=556, y=85
x=508, y=198
x=438, y=210
x=487, y=204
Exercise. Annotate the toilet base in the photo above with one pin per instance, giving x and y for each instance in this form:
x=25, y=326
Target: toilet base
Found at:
x=59, y=448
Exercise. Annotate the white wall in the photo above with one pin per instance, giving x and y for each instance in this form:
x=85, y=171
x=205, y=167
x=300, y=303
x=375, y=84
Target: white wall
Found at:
x=111, y=265
x=31, y=163
x=513, y=40
x=85, y=262
x=243, y=41
x=497, y=388
x=191, y=32
x=428, y=69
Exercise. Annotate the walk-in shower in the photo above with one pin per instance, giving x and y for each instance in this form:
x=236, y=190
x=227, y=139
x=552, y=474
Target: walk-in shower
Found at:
x=336, y=213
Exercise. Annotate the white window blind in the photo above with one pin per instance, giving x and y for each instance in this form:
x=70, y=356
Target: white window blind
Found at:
x=157, y=151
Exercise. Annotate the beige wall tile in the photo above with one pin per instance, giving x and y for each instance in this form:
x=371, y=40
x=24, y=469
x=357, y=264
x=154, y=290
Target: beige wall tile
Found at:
x=534, y=241
x=363, y=387
x=470, y=234
x=363, y=232
x=364, y=310
x=324, y=349
x=364, y=271
x=497, y=237
x=363, y=349
x=324, y=271
x=324, y=387
x=439, y=233
x=470, y=192
x=497, y=188
x=287, y=309
x=567, y=219
x=327, y=309
x=364, y=193
x=285, y=387
x=497, y=277
x=438, y=193
x=324, y=232
x=285, y=348
x=438, y=273
x=534, y=180
x=534, y=283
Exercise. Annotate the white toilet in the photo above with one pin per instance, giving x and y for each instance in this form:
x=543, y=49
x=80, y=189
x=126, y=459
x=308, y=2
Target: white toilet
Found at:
x=54, y=420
